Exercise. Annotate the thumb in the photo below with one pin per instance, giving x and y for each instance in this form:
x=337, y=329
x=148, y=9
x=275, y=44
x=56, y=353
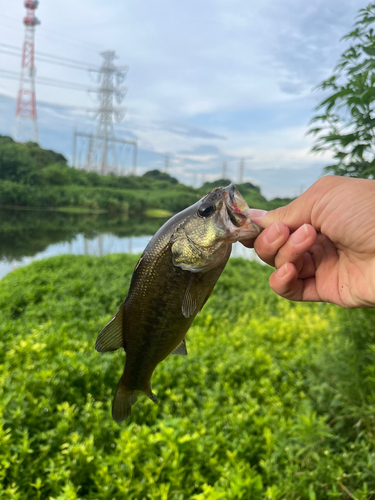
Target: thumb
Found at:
x=294, y=215
x=309, y=207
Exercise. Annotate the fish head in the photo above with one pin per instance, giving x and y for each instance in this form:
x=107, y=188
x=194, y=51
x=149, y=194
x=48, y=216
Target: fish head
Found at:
x=218, y=219
x=236, y=217
x=222, y=215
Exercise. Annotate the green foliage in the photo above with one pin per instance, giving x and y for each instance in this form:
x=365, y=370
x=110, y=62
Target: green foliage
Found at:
x=208, y=186
x=34, y=177
x=345, y=121
x=245, y=187
x=249, y=191
x=274, y=401
x=16, y=164
x=44, y=157
x=254, y=197
x=58, y=175
x=110, y=199
x=22, y=163
x=347, y=390
x=277, y=202
x=5, y=139
x=162, y=176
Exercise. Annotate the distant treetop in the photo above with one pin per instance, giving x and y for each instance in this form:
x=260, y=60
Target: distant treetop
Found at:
x=161, y=176
x=21, y=162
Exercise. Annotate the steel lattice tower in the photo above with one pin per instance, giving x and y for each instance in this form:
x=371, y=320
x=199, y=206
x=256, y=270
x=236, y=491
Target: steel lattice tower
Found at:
x=102, y=146
x=26, y=126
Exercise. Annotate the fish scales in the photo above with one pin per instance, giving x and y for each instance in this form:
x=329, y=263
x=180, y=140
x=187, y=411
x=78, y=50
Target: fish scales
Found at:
x=170, y=284
x=159, y=324
x=160, y=319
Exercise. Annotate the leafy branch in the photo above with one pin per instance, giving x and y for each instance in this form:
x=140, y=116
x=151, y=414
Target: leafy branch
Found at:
x=345, y=120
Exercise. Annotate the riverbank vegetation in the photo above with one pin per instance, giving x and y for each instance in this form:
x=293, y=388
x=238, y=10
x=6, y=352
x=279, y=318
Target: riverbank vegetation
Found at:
x=274, y=401
x=37, y=178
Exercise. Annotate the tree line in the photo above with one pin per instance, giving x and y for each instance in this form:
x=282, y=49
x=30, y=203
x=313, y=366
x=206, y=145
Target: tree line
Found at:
x=31, y=176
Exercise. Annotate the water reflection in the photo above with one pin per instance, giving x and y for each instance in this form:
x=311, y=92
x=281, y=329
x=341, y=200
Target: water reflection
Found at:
x=27, y=233
x=28, y=236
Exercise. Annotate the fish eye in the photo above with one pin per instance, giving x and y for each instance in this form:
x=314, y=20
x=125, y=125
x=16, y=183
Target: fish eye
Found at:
x=206, y=210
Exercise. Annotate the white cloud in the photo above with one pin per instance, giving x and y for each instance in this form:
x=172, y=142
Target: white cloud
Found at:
x=221, y=73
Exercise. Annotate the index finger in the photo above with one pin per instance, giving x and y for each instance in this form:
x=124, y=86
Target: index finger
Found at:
x=270, y=241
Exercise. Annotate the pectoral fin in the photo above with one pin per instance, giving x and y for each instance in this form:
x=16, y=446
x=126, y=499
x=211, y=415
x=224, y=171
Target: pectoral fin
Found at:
x=111, y=337
x=192, y=296
x=195, y=296
x=180, y=349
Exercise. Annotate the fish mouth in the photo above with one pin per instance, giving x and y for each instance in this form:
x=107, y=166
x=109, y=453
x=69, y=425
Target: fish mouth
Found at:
x=236, y=206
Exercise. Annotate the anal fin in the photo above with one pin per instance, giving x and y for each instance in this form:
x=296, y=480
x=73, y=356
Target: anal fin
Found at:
x=180, y=349
x=111, y=338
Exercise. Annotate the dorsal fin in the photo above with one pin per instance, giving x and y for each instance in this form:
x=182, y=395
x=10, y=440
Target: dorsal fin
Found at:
x=110, y=338
x=180, y=349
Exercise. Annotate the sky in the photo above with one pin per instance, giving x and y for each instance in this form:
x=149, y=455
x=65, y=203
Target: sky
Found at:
x=208, y=82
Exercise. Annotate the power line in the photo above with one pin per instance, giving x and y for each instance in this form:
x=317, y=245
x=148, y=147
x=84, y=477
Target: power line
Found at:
x=42, y=59
x=84, y=45
x=12, y=75
x=64, y=42
x=43, y=55
x=55, y=104
x=55, y=40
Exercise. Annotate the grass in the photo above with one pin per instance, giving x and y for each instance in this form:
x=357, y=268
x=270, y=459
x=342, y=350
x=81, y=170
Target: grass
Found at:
x=274, y=401
x=158, y=213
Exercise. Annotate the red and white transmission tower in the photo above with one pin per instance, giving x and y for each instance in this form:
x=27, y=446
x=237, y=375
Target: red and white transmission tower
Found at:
x=26, y=126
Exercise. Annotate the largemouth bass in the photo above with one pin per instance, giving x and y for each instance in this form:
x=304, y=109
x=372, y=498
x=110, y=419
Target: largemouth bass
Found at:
x=172, y=281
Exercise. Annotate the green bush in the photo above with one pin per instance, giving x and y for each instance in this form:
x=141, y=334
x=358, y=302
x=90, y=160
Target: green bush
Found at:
x=31, y=176
x=16, y=165
x=274, y=401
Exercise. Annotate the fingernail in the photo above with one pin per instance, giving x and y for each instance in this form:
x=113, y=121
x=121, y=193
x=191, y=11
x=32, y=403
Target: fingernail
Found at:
x=300, y=235
x=272, y=233
x=281, y=272
x=256, y=213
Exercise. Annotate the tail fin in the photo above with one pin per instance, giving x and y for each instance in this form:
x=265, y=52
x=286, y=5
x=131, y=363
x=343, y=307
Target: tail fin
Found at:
x=124, y=400
x=122, y=403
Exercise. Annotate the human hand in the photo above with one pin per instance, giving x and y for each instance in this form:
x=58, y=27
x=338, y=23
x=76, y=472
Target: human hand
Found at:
x=323, y=243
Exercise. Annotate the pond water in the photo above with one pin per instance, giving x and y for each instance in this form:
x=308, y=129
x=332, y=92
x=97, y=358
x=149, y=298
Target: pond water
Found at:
x=26, y=236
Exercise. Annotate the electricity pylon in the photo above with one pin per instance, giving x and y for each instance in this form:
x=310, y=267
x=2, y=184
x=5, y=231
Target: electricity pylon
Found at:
x=102, y=146
x=26, y=125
